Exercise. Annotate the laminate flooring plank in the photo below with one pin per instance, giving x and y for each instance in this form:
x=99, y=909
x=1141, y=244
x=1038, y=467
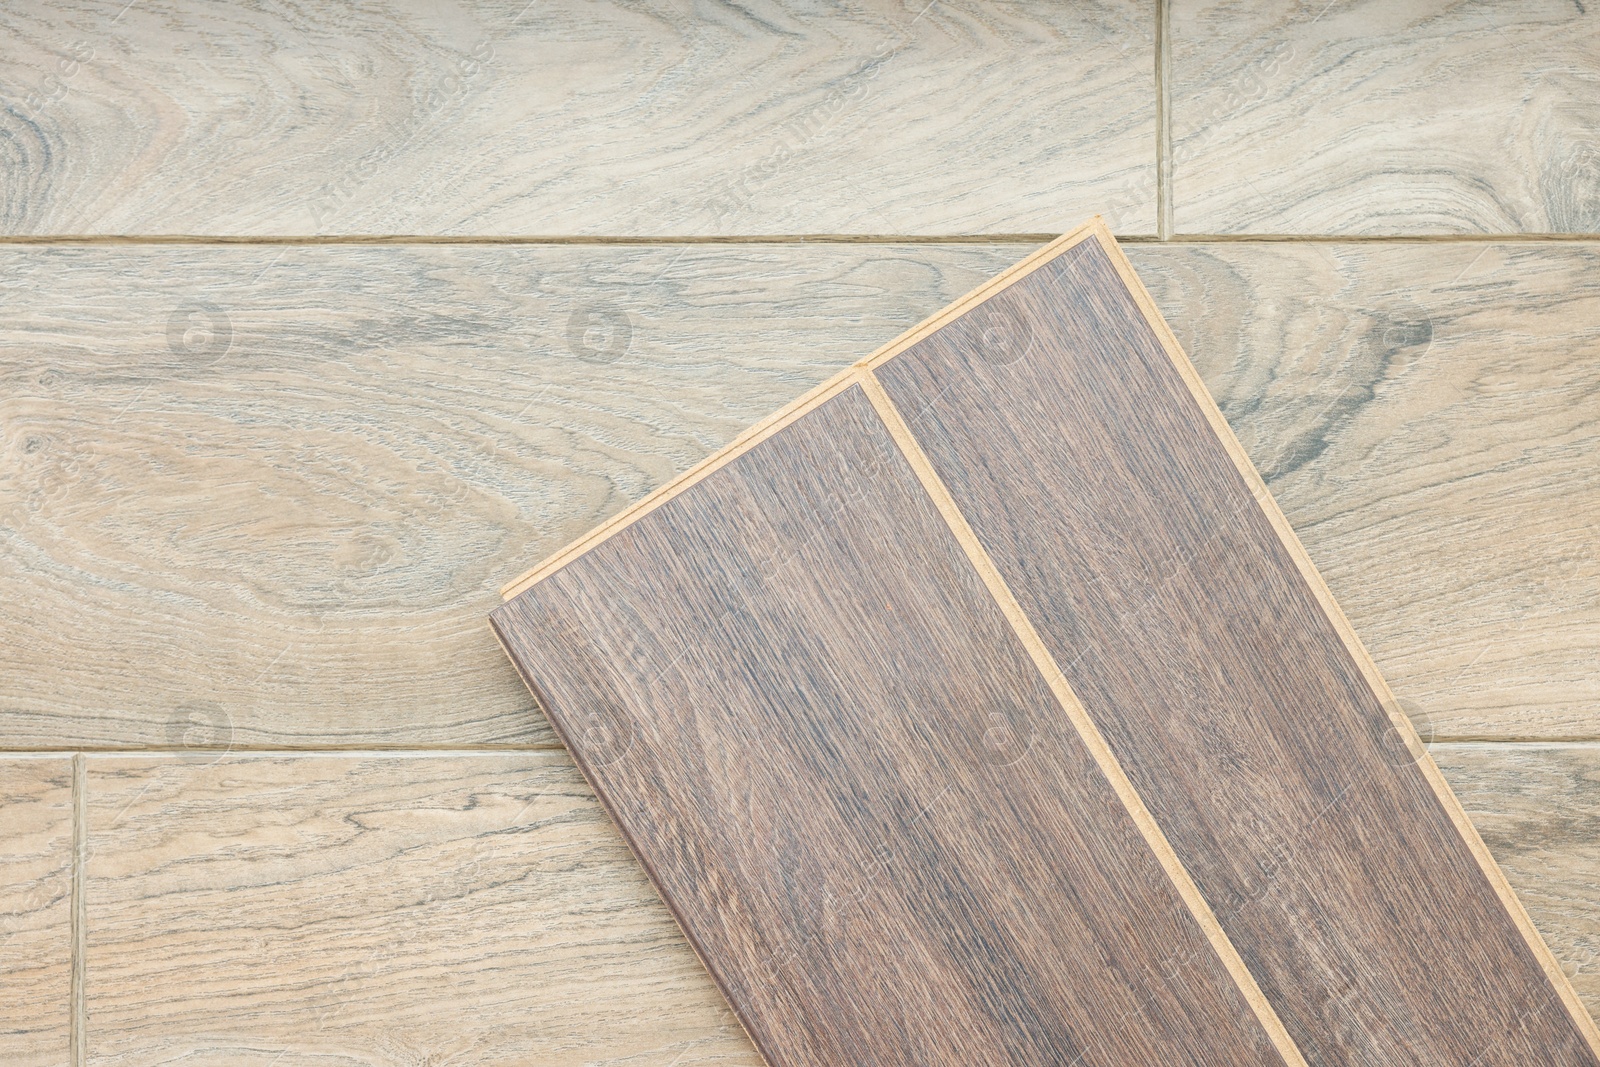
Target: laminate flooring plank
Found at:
x=36, y=927
x=1373, y=117
x=561, y=117
x=1538, y=808
x=299, y=911
x=835, y=757
x=286, y=524
x=282, y=485
x=1428, y=418
x=1180, y=617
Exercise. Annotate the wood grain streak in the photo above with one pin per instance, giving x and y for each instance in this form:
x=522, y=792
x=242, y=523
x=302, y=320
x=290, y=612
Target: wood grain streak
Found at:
x=299, y=911
x=833, y=754
x=284, y=497
x=586, y=912
x=1186, y=628
x=35, y=911
x=1538, y=807
x=1093, y=740
x=492, y=117
x=1428, y=418
x=318, y=578
x=1417, y=117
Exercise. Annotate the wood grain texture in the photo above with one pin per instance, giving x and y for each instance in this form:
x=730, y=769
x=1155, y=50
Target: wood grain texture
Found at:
x=1428, y=418
x=35, y=911
x=371, y=910
x=1538, y=807
x=419, y=423
x=831, y=751
x=573, y=117
x=1190, y=635
x=282, y=485
x=1373, y=117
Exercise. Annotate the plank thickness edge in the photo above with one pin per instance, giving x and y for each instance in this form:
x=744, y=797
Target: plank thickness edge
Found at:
x=600, y=795
x=1352, y=643
x=1086, y=729
x=794, y=409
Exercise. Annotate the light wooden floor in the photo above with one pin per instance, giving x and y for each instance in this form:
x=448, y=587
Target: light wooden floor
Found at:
x=318, y=324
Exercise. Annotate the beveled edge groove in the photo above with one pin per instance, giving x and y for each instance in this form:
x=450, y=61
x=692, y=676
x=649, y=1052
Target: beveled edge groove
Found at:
x=1087, y=731
x=793, y=410
x=78, y=924
x=1352, y=643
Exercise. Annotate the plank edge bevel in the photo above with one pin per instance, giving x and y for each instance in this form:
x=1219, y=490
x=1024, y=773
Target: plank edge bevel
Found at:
x=796, y=408
x=1352, y=642
x=1083, y=724
x=639, y=856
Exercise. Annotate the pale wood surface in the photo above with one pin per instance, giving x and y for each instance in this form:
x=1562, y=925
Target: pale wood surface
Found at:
x=1380, y=117
x=295, y=537
x=425, y=909
x=35, y=910
x=518, y=117
x=292, y=540
x=481, y=908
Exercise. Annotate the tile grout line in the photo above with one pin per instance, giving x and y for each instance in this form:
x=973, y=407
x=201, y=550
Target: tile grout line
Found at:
x=1163, y=121
x=1090, y=734
x=79, y=1015
x=795, y=409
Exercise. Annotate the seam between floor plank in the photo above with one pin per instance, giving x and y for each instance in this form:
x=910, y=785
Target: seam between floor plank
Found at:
x=1045, y=663
x=1163, y=50
x=78, y=1019
x=1358, y=652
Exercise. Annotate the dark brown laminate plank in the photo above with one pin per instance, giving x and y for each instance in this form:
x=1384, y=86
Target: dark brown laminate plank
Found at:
x=1182, y=619
x=863, y=803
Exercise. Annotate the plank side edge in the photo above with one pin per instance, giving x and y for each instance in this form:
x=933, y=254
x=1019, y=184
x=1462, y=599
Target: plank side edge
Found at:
x=1352, y=643
x=622, y=830
x=794, y=409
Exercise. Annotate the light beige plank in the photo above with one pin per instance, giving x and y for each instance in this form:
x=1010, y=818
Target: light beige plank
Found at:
x=1428, y=416
x=578, y=117
x=317, y=907
x=379, y=910
x=265, y=497
x=293, y=538
x=1538, y=808
x=35, y=911
x=1381, y=117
